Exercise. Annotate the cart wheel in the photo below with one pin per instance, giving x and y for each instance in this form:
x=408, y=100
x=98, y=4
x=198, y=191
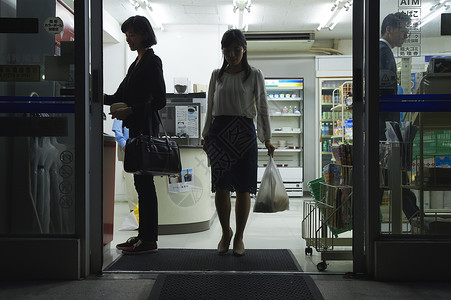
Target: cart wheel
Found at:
x=308, y=251
x=321, y=266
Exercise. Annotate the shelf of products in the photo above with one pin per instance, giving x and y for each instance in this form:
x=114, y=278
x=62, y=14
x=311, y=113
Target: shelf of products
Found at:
x=417, y=166
x=285, y=104
x=327, y=221
x=335, y=115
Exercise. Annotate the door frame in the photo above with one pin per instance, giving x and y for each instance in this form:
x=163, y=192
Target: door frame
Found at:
x=77, y=255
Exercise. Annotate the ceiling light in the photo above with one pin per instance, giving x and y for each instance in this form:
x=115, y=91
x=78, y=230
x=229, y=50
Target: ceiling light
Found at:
x=145, y=6
x=241, y=8
x=434, y=11
x=339, y=8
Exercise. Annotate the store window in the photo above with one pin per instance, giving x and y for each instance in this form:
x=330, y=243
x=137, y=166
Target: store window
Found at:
x=415, y=117
x=37, y=117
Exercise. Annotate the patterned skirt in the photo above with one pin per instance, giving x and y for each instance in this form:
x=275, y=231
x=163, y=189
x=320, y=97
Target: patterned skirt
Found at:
x=232, y=150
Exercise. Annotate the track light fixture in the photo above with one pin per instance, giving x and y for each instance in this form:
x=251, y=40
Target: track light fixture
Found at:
x=145, y=6
x=435, y=10
x=339, y=8
x=241, y=8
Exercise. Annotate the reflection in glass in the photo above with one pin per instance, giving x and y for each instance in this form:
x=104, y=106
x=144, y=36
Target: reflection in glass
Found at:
x=414, y=123
x=37, y=141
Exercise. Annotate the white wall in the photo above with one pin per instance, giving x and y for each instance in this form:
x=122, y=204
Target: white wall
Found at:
x=114, y=69
x=114, y=65
x=345, y=46
x=191, y=51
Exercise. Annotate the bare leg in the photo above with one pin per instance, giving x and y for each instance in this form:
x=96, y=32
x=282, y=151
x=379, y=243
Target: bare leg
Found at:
x=242, y=208
x=223, y=208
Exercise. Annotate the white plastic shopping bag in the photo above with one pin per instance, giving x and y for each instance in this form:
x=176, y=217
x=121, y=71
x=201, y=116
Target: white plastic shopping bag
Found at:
x=271, y=196
x=131, y=222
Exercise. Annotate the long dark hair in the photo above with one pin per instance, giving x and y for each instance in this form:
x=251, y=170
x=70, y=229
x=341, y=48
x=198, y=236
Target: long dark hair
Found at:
x=235, y=37
x=141, y=25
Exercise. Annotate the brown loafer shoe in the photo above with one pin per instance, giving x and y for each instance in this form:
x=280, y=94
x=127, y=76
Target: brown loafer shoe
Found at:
x=141, y=247
x=129, y=243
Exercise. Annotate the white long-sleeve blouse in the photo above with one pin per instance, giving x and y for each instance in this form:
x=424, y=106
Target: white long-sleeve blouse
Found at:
x=230, y=96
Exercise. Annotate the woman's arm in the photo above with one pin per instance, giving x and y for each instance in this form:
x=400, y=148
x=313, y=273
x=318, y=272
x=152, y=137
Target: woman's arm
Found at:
x=211, y=93
x=263, y=122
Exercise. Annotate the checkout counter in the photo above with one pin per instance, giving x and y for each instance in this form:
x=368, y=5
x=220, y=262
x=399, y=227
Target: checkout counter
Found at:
x=185, y=201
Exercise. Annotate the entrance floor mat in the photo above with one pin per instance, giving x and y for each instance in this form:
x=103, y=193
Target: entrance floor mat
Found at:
x=207, y=260
x=234, y=286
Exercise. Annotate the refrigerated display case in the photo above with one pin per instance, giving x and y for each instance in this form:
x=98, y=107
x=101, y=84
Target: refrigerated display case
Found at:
x=333, y=93
x=342, y=114
x=285, y=104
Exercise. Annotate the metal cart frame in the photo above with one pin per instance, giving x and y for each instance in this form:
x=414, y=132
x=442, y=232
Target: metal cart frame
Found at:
x=316, y=225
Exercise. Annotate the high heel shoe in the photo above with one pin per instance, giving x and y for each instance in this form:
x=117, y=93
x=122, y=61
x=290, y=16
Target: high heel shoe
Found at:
x=224, y=243
x=238, y=248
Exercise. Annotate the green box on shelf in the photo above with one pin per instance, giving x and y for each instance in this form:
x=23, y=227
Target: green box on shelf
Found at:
x=315, y=188
x=435, y=142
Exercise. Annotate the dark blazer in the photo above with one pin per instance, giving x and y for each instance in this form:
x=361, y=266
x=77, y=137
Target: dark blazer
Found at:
x=388, y=81
x=388, y=84
x=144, y=90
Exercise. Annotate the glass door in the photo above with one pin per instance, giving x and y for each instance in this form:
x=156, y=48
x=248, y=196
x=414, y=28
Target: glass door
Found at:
x=45, y=196
x=406, y=117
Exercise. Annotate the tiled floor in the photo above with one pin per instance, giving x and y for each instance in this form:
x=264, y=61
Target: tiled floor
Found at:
x=281, y=230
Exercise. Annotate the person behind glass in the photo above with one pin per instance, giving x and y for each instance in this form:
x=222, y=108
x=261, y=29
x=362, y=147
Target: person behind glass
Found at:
x=236, y=95
x=394, y=31
x=144, y=91
x=121, y=134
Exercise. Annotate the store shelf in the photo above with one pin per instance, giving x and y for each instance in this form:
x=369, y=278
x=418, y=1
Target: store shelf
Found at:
x=286, y=115
x=341, y=107
x=284, y=99
x=271, y=88
x=286, y=132
x=338, y=107
x=282, y=150
x=332, y=93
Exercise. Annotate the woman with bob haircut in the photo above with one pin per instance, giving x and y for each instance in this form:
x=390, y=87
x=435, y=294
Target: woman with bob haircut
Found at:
x=144, y=91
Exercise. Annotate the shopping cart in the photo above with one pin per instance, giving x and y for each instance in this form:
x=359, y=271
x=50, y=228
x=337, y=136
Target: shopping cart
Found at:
x=325, y=218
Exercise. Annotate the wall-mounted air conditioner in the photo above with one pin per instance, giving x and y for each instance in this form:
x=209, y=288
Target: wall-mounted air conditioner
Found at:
x=294, y=41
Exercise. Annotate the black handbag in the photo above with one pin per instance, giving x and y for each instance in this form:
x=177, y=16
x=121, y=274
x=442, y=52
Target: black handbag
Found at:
x=148, y=155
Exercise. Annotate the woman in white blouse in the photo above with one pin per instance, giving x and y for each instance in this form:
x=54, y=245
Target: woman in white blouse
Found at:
x=236, y=95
